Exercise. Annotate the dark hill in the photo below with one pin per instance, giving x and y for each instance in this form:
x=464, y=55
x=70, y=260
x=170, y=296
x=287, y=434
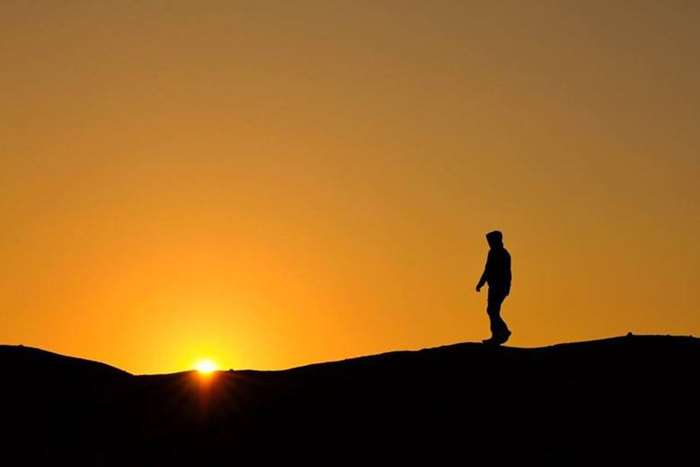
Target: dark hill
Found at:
x=621, y=400
x=21, y=360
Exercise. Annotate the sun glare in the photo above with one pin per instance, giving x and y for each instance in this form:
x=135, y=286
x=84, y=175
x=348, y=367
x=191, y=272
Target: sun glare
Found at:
x=205, y=366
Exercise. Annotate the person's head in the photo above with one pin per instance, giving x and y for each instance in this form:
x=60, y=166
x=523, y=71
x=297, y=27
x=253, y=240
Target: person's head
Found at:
x=495, y=239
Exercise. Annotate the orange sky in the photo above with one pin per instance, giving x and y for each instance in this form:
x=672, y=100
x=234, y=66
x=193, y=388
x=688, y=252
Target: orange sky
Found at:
x=270, y=184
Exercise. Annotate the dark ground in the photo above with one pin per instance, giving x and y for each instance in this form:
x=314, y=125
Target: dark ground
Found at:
x=617, y=401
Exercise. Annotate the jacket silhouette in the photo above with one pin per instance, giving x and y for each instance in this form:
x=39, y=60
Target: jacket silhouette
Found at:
x=497, y=274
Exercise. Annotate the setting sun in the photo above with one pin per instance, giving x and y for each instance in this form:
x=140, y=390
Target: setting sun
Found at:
x=291, y=200
x=206, y=366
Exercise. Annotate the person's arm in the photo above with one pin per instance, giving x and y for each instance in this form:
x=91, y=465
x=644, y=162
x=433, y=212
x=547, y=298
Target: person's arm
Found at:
x=485, y=275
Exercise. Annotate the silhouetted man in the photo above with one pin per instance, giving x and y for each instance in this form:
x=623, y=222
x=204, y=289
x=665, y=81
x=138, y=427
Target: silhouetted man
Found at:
x=497, y=275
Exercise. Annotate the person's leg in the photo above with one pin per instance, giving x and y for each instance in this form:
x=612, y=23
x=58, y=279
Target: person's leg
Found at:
x=498, y=326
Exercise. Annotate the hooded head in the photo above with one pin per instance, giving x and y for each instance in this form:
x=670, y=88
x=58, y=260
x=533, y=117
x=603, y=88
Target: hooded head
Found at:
x=495, y=239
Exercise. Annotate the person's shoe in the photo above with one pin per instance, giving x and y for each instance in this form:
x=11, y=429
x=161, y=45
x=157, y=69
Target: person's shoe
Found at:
x=503, y=338
x=491, y=340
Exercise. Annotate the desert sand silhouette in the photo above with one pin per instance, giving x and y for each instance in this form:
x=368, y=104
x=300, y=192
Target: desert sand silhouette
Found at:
x=615, y=400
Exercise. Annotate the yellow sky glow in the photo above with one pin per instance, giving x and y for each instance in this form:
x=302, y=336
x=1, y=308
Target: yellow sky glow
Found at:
x=278, y=183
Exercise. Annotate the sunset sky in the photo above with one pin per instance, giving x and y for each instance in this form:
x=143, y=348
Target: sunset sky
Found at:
x=269, y=184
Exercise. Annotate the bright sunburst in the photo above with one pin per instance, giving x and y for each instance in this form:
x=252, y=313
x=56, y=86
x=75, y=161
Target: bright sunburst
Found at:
x=206, y=366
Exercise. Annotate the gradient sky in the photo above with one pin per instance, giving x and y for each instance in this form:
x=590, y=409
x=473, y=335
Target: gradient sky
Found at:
x=270, y=184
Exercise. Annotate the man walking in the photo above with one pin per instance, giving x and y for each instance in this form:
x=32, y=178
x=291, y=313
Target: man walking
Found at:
x=498, y=276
